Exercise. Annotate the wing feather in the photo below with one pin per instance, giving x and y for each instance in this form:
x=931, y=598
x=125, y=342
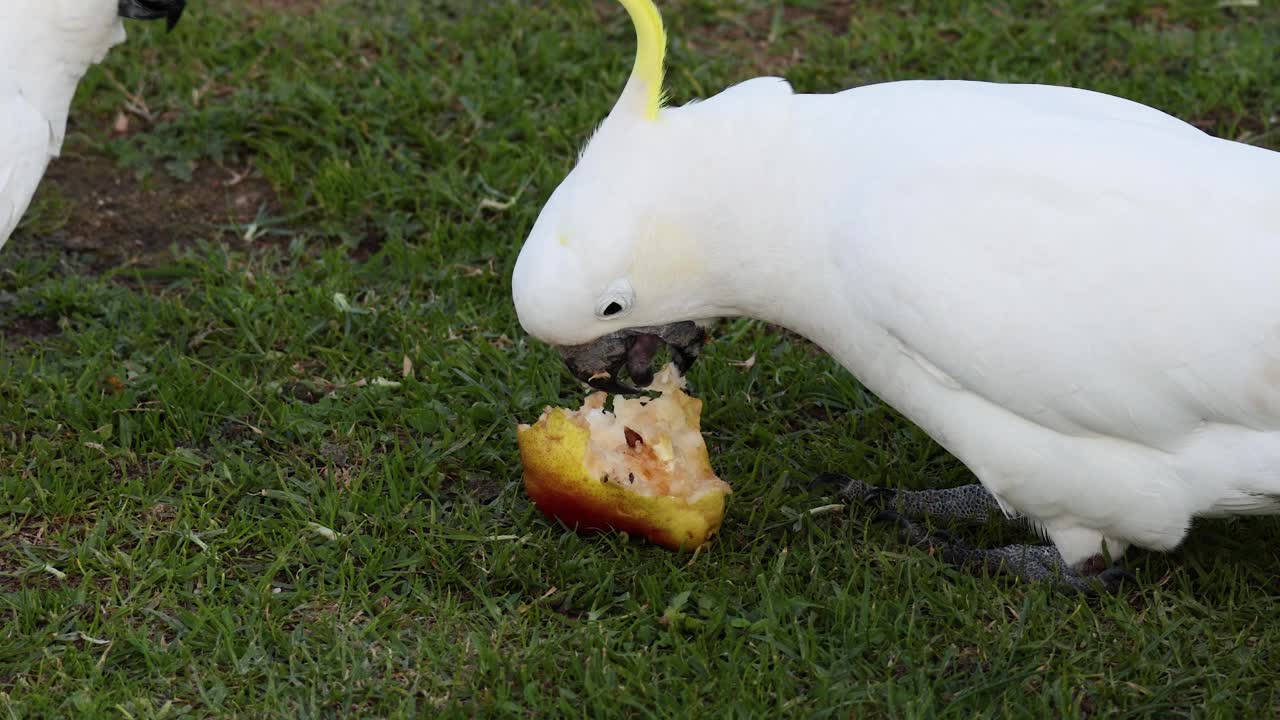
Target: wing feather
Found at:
x=1063, y=261
x=25, y=150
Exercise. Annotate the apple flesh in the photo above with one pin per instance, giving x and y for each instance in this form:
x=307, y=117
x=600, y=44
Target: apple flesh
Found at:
x=642, y=469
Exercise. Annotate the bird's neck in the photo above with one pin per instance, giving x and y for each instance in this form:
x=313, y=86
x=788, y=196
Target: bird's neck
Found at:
x=788, y=247
x=786, y=278
x=769, y=233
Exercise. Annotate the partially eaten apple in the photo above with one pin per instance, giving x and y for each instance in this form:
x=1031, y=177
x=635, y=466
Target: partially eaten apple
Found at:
x=642, y=468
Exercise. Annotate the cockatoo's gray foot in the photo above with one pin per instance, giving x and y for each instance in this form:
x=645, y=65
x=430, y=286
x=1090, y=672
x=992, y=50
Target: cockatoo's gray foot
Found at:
x=967, y=503
x=1033, y=563
x=973, y=504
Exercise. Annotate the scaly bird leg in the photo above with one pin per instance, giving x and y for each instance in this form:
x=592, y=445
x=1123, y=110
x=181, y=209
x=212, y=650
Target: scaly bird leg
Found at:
x=970, y=504
x=974, y=505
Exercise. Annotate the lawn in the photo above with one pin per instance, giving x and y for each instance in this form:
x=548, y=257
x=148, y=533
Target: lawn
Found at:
x=260, y=375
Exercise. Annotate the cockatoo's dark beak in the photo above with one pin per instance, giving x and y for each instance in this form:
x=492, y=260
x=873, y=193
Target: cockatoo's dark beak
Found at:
x=599, y=363
x=170, y=10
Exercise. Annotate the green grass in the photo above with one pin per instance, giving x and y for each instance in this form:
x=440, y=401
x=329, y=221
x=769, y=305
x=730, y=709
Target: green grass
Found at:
x=211, y=507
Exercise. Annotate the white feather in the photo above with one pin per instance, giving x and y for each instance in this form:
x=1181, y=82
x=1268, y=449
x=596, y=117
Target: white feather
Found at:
x=24, y=154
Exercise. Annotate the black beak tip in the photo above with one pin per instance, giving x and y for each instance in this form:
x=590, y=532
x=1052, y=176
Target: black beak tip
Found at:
x=642, y=378
x=170, y=10
x=612, y=386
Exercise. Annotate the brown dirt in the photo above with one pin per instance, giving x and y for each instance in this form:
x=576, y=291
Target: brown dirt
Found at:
x=117, y=219
x=33, y=328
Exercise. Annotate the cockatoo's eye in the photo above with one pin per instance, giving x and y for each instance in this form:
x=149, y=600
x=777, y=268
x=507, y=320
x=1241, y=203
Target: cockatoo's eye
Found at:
x=615, y=301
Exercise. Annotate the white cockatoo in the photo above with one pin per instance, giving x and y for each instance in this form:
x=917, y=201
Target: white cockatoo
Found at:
x=1076, y=295
x=46, y=46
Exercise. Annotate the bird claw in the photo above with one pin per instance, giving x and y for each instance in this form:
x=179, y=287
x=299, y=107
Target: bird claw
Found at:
x=826, y=480
x=942, y=536
x=853, y=489
x=1109, y=581
x=879, y=497
x=892, y=517
x=910, y=532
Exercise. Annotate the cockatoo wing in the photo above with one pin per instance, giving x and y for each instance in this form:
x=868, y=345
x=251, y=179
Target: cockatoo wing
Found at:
x=25, y=150
x=1079, y=269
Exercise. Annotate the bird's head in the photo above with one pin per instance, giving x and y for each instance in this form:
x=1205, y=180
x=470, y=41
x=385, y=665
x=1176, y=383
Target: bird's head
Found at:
x=610, y=270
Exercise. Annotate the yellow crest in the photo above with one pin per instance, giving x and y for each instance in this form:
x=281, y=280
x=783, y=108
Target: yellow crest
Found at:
x=651, y=50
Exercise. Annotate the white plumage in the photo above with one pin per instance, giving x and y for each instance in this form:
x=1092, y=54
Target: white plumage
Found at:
x=25, y=151
x=1076, y=295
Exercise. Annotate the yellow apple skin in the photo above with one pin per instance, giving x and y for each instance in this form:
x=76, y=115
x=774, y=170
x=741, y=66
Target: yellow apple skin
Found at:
x=553, y=451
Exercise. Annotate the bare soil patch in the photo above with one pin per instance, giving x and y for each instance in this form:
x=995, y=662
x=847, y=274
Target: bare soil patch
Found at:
x=115, y=218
